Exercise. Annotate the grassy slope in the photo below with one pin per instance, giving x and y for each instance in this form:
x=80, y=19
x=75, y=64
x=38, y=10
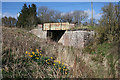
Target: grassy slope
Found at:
x=16, y=64
x=106, y=58
x=81, y=64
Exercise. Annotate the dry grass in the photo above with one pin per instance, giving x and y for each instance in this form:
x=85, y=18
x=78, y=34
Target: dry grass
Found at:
x=17, y=65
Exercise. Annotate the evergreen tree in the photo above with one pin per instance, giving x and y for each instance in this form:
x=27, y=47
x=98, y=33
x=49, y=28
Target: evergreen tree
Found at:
x=32, y=15
x=27, y=16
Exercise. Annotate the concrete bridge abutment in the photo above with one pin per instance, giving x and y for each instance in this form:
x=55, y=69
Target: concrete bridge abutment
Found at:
x=78, y=38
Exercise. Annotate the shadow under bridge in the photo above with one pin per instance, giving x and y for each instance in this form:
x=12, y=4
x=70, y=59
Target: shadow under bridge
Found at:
x=55, y=35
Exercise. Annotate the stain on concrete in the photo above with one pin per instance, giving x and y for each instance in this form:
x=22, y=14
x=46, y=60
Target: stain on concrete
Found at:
x=76, y=38
x=79, y=38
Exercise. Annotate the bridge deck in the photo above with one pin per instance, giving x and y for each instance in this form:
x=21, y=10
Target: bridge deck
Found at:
x=57, y=26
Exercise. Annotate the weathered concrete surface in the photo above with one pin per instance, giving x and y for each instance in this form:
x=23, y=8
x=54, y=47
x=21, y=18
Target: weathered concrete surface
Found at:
x=76, y=38
x=57, y=26
x=39, y=33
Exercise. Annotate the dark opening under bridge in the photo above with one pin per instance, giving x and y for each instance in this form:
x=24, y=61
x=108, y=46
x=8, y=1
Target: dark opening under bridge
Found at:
x=60, y=33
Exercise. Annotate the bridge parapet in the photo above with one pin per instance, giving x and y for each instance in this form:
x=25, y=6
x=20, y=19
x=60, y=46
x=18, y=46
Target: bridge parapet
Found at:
x=57, y=26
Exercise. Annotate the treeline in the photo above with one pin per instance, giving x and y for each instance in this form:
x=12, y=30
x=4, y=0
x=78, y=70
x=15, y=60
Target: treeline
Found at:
x=29, y=16
x=48, y=15
x=9, y=21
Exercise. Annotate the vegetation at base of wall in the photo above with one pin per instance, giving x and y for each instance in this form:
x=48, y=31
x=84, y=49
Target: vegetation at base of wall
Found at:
x=99, y=59
x=17, y=64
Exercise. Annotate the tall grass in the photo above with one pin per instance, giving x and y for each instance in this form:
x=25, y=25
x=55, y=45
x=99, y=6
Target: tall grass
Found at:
x=80, y=64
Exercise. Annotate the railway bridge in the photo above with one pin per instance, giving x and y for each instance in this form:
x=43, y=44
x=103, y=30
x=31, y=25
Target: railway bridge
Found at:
x=61, y=33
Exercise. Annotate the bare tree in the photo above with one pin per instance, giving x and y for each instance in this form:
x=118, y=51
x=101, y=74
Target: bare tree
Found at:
x=79, y=16
x=94, y=21
x=68, y=17
x=109, y=22
x=74, y=17
x=46, y=15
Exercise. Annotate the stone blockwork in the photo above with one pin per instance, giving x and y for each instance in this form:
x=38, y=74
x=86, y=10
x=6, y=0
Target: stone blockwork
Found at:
x=39, y=33
x=76, y=38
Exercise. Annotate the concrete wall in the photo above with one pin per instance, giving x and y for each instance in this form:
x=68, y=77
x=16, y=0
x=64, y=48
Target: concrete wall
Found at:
x=76, y=38
x=39, y=33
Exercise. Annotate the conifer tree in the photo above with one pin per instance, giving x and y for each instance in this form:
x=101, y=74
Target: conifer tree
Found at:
x=27, y=16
